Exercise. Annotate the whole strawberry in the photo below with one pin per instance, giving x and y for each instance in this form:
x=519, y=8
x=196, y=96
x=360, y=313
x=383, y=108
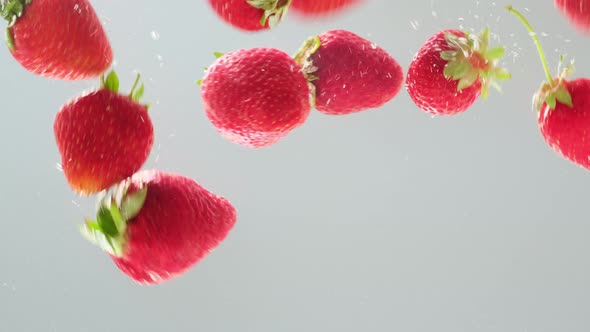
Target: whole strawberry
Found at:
x=563, y=109
x=255, y=97
x=321, y=7
x=250, y=15
x=452, y=70
x=157, y=225
x=59, y=39
x=577, y=12
x=103, y=137
x=349, y=73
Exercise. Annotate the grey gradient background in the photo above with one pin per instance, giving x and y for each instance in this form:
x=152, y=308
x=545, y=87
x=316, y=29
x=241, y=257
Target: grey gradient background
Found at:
x=387, y=220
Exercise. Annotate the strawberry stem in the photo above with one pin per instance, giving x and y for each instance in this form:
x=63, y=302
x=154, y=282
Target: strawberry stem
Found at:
x=537, y=43
x=134, y=86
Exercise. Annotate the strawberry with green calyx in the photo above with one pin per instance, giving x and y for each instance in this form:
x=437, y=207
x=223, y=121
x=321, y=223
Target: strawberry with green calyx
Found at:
x=60, y=39
x=563, y=108
x=156, y=225
x=452, y=70
x=326, y=61
x=103, y=136
x=251, y=15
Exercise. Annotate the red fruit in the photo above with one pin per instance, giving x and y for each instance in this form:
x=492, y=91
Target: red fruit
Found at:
x=577, y=12
x=451, y=70
x=60, y=39
x=350, y=74
x=250, y=15
x=157, y=225
x=255, y=97
x=563, y=108
x=321, y=7
x=103, y=137
x=564, y=127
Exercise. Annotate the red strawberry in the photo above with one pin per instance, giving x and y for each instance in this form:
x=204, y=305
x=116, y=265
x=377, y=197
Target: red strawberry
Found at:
x=250, y=15
x=349, y=73
x=563, y=109
x=577, y=12
x=61, y=39
x=451, y=70
x=157, y=225
x=103, y=137
x=255, y=97
x=321, y=7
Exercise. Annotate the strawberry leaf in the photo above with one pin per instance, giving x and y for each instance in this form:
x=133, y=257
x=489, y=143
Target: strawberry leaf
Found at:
x=132, y=204
x=274, y=10
x=502, y=74
x=12, y=9
x=112, y=82
x=106, y=221
x=563, y=96
x=551, y=101
x=495, y=53
x=467, y=80
x=448, y=55
x=137, y=94
x=9, y=40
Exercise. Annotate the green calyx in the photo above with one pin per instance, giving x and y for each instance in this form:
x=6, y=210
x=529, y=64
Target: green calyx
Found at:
x=11, y=10
x=551, y=91
x=471, y=59
x=217, y=55
x=274, y=10
x=303, y=58
x=114, y=212
x=111, y=83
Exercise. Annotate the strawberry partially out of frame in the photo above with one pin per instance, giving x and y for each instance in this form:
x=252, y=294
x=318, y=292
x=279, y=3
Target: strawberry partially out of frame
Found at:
x=563, y=108
x=58, y=39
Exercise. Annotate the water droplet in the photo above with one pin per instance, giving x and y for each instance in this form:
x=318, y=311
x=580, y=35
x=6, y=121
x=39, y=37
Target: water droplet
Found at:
x=155, y=35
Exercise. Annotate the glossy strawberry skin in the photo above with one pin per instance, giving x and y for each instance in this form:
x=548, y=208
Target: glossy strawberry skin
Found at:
x=103, y=137
x=353, y=74
x=577, y=12
x=240, y=14
x=255, y=97
x=427, y=85
x=179, y=224
x=321, y=7
x=566, y=130
x=61, y=39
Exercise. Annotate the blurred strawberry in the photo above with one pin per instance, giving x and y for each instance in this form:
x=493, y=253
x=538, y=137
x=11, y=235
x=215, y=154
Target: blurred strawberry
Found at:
x=250, y=15
x=157, y=225
x=577, y=12
x=60, y=39
x=314, y=8
x=103, y=137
